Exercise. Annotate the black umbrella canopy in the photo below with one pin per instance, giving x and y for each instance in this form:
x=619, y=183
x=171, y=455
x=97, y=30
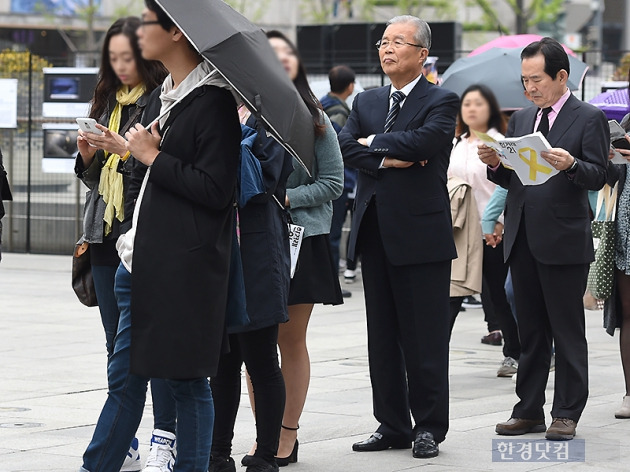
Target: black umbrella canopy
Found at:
x=500, y=70
x=241, y=53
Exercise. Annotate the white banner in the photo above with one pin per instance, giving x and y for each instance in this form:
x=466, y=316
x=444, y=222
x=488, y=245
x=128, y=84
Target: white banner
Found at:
x=8, y=103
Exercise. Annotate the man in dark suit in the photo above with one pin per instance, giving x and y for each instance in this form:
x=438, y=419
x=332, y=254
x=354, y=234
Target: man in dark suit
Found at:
x=402, y=229
x=548, y=241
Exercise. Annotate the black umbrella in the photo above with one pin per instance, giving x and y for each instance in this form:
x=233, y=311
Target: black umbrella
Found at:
x=500, y=70
x=241, y=53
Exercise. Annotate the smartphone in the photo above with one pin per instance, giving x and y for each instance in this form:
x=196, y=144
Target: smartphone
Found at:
x=88, y=125
x=621, y=143
x=618, y=135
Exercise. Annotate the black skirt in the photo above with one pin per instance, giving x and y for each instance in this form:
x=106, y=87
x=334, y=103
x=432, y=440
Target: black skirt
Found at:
x=316, y=279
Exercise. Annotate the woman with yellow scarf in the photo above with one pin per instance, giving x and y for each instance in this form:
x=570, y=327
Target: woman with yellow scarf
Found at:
x=124, y=84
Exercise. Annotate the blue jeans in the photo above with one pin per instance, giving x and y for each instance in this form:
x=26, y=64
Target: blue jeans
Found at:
x=341, y=207
x=509, y=293
x=163, y=402
x=104, y=285
x=122, y=412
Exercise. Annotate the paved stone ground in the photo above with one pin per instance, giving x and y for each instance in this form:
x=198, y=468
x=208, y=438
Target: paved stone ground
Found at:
x=53, y=378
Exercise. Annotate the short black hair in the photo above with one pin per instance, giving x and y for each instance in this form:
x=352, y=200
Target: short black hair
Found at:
x=555, y=56
x=340, y=77
x=164, y=20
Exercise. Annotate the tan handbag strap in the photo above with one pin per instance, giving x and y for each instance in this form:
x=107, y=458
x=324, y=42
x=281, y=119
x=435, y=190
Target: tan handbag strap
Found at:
x=81, y=248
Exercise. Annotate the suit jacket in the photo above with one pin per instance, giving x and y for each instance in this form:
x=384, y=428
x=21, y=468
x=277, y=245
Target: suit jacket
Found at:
x=412, y=204
x=556, y=213
x=183, y=239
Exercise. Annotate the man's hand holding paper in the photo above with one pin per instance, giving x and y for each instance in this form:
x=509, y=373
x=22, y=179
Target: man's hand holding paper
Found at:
x=525, y=156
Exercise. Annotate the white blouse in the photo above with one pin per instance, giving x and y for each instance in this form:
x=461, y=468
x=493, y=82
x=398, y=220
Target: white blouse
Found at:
x=466, y=165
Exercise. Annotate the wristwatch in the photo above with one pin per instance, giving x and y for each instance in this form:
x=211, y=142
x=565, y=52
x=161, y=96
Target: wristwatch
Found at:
x=571, y=170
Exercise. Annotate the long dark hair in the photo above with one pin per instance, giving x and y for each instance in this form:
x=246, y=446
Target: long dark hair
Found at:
x=497, y=119
x=151, y=73
x=301, y=84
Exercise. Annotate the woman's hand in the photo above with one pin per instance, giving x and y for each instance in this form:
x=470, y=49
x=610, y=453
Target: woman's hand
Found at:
x=496, y=237
x=87, y=152
x=143, y=144
x=625, y=153
x=109, y=141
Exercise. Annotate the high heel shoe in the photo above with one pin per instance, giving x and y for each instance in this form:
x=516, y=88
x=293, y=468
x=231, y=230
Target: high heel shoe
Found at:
x=293, y=457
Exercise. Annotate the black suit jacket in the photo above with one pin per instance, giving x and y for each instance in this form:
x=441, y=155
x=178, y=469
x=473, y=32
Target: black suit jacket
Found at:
x=412, y=204
x=556, y=213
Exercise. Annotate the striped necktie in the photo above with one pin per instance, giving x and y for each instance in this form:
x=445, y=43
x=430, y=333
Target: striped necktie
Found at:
x=398, y=97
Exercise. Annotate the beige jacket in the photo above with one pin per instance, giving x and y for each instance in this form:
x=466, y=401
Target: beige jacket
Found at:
x=466, y=269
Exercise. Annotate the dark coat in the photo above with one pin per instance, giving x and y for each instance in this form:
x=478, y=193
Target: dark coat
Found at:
x=5, y=191
x=557, y=215
x=617, y=173
x=264, y=238
x=183, y=239
x=412, y=204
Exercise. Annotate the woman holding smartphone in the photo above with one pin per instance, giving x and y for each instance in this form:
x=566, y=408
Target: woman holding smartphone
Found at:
x=124, y=83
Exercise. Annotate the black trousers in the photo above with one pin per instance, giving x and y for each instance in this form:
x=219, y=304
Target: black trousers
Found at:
x=408, y=325
x=494, y=300
x=258, y=349
x=549, y=309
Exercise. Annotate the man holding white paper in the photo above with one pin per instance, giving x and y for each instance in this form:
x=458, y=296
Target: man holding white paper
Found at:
x=548, y=241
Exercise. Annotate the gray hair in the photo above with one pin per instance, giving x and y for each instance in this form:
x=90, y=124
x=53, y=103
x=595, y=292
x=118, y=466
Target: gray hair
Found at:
x=423, y=32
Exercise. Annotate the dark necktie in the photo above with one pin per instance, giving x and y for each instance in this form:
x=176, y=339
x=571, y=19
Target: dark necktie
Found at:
x=398, y=97
x=543, y=126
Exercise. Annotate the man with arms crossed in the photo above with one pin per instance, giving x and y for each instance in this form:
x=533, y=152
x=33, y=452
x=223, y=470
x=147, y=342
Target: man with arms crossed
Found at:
x=402, y=229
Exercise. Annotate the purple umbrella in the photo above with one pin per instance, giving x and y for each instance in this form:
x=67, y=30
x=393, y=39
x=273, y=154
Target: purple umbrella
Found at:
x=614, y=103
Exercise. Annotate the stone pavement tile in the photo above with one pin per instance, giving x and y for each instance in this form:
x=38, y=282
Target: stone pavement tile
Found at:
x=53, y=372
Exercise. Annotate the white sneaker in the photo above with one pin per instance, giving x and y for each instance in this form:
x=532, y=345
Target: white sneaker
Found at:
x=508, y=368
x=349, y=276
x=162, y=454
x=132, y=461
x=624, y=411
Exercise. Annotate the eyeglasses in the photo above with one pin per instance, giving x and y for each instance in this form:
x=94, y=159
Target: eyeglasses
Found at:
x=144, y=23
x=397, y=44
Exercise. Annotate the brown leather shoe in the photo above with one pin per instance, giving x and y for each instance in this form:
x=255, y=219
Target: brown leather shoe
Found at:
x=561, y=429
x=518, y=426
x=494, y=338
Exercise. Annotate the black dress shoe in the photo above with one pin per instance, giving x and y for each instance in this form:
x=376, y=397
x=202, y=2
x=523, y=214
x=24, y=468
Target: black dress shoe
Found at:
x=425, y=446
x=378, y=442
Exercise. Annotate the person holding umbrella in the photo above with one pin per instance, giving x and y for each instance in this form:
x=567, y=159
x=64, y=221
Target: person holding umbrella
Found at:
x=176, y=254
x=309, y=202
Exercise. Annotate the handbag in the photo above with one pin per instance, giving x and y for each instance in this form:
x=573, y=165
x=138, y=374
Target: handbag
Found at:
x=602, y=270
x=82, y=281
